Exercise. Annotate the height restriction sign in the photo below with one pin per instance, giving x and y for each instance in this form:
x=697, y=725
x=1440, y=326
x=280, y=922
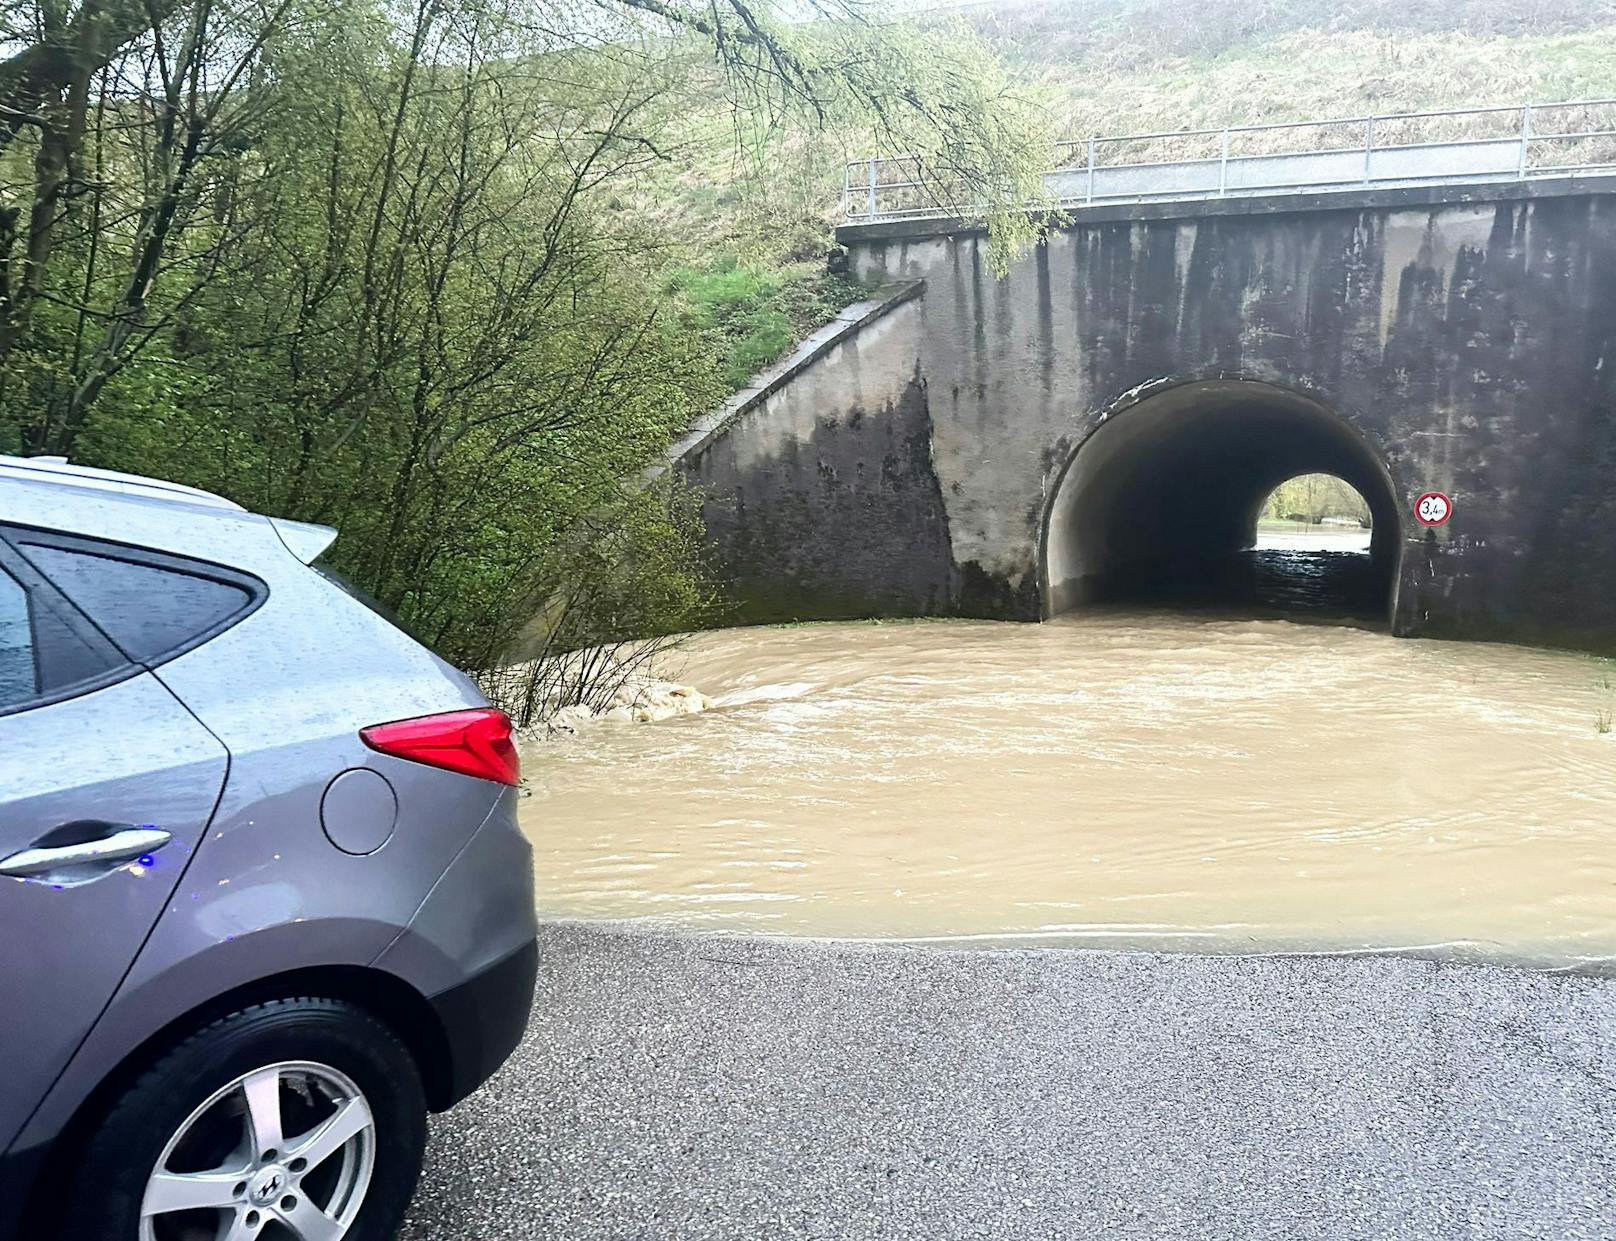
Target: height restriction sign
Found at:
x=1433, y=508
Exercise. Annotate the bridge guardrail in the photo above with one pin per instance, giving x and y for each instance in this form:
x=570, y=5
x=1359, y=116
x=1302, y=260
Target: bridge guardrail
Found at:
x=1508, y=143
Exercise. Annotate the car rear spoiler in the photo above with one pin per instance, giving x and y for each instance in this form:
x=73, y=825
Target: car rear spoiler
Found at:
x=303, y=539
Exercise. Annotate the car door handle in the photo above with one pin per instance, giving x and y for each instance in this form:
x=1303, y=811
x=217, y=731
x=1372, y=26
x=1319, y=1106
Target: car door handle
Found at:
x=122, y=845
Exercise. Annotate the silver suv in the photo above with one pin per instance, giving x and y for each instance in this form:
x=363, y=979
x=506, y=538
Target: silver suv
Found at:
x=263, y=900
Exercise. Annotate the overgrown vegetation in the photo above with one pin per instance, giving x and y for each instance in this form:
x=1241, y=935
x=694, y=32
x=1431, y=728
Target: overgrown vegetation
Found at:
x=382, y=267
x=750, y=314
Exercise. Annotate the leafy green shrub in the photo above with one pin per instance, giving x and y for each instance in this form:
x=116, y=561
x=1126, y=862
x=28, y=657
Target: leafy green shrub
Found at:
x=768, y=335
x=752, y=315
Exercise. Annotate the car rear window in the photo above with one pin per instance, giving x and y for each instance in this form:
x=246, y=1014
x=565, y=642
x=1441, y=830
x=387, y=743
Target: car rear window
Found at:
x=19, y=679
x=151, y=607
x=45, y=653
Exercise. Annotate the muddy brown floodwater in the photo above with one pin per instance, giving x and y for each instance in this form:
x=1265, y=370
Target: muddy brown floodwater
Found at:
x=1108, y=780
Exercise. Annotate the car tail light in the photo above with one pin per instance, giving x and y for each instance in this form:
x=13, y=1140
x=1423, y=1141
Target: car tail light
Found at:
x=474, y=743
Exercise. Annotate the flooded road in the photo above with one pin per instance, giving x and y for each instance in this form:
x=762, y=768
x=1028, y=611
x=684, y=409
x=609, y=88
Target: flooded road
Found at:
x=1110, y=780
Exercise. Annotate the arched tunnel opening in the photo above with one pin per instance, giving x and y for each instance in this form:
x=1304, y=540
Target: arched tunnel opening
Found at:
x=1161, y=505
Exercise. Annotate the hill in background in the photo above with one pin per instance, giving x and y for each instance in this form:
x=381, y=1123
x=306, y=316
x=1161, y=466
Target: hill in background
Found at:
x=1116, y=67
x=1127, y=65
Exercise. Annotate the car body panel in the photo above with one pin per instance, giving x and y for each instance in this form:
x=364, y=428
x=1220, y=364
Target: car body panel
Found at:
x=284, y=691
x=478, y=913
x=57, y=471
x=303, y=539
x=144, y=520
x=127, y=753
x=485, y=1017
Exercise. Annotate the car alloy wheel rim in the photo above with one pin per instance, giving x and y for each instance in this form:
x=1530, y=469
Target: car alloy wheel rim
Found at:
x=283, y=1152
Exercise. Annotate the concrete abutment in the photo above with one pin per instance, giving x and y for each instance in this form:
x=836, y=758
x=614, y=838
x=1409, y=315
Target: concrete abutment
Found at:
x=985, y=444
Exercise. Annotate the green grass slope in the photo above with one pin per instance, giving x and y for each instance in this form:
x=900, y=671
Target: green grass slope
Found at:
x=755, y=228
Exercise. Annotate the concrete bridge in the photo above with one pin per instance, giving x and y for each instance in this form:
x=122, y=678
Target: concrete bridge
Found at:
x=1129, y=394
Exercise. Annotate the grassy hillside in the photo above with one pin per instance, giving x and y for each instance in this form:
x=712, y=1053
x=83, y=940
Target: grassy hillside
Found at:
x=1130, y=65
x=1117, y=67
x=753, y=312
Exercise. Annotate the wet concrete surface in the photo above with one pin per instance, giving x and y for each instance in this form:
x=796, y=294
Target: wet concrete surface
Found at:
x=727, y=1087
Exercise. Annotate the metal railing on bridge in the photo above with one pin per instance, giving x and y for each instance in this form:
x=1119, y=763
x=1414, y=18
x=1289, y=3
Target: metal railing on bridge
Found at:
x=1474, y=145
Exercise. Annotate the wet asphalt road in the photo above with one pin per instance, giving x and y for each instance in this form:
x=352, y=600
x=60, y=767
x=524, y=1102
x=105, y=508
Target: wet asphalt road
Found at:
x=747, y=1090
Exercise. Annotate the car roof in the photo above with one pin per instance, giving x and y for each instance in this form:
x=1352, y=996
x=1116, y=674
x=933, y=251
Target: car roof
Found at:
x=59, y=470
x=151, y=512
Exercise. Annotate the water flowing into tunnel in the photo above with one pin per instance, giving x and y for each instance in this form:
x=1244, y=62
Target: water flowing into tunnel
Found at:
x=1160, y=506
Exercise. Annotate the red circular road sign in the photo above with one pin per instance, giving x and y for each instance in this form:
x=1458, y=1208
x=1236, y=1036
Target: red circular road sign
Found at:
x=1433, y=508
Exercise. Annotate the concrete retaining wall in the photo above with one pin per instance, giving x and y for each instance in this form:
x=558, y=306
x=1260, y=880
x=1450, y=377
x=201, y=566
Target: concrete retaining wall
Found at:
x=907, y=470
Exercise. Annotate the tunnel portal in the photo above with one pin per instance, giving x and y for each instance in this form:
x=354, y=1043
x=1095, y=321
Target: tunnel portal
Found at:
x=1160, y=503
x=1007, y=446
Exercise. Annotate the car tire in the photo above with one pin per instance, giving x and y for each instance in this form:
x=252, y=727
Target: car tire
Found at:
x=190, y=1127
